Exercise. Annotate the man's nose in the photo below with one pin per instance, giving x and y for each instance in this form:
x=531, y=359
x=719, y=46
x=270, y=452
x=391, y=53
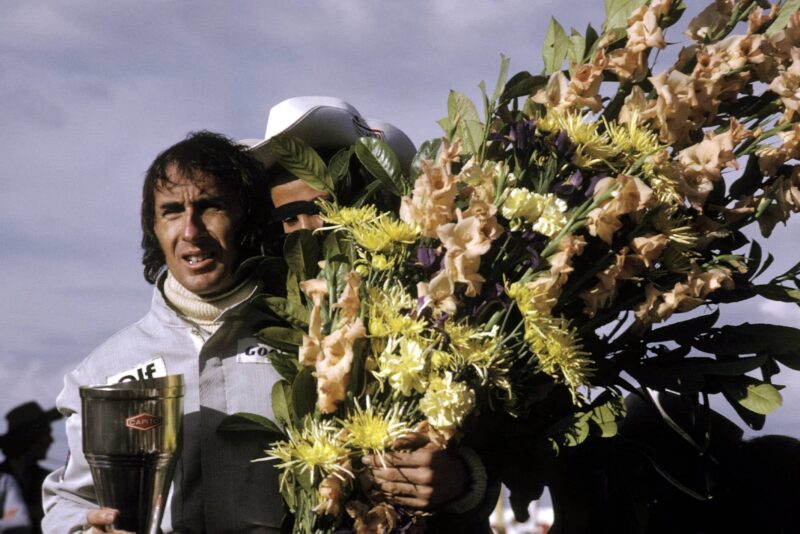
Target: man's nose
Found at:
x=309, y=222
x=192, y=225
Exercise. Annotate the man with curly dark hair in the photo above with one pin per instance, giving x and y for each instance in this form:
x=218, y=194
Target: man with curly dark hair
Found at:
x=204, y=209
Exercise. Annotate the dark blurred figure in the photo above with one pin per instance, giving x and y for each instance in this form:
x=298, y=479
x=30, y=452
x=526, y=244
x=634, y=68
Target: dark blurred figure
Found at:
x=25, y=443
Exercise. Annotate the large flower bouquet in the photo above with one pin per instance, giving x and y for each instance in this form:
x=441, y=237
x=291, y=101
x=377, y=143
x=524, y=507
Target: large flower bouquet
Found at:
x=524, y=271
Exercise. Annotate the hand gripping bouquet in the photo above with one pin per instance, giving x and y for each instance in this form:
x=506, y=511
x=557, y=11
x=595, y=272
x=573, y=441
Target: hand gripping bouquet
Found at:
x=522, y=274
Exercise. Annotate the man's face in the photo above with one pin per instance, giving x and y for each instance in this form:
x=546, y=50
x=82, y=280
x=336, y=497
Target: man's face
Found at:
x=194, y=224
x=297, y=191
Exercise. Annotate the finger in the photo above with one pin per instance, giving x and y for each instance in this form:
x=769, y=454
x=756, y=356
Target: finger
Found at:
x=411, y=475
x=412, y=440
x=403, y=489
x=102, y=517
x=416, y=458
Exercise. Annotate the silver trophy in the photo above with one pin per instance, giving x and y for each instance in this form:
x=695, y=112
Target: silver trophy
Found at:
x=131, y=438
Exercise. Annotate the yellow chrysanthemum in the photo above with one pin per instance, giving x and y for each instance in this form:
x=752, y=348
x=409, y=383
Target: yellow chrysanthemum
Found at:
x=632, y=139
x=371, y=238
x=315, y=447
x=591, y=147
x=390, y=313
x=402, y=363
x=480, y=351
x=383, y=235
x=372, y=430
x=530, y=297
x=447, y=402
x=546, y=213
x=682, y=240
x=398, y=231
x=337, y=216
x=557, y=347
x=441, y=359
x=552, y=217
x=470, y=345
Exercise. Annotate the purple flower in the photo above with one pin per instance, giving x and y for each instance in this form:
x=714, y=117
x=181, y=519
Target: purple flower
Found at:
x=571, y=185
x=427, y=256
x=563, y=143
x=593, y=183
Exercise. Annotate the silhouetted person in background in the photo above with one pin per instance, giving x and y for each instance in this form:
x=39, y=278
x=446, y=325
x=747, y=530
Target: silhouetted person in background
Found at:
x=25, y=443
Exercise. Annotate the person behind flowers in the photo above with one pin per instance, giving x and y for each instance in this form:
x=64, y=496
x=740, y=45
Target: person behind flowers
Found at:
x=421, y=474
x=203, y=210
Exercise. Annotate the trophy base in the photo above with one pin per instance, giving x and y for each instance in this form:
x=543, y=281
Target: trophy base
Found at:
x=134, y=484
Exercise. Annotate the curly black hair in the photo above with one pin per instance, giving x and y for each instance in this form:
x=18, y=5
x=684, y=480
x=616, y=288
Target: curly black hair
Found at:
x=236, y=172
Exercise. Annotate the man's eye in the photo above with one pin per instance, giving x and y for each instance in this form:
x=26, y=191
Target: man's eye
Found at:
x=171, y=213
x=290, y=221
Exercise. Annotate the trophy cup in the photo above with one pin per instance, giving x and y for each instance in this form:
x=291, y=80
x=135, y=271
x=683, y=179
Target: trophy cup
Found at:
x=131, y=438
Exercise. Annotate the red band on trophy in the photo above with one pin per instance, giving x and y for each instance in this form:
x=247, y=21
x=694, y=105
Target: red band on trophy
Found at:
x=143, y=421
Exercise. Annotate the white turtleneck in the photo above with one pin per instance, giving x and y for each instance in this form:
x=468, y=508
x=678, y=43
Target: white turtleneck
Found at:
x=205, y=312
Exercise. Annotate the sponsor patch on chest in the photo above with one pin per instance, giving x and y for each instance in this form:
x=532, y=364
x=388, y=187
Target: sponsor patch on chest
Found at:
x=251, y=350
x=154, y=368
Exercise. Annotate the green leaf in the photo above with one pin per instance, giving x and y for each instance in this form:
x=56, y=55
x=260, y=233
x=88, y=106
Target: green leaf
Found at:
x=427, y=152
x=287, y=365
x=710, y=366
x=750, y=180
x=606, y=415
x=335, y=244
x=357, y=371
x=782, y=20
x=501, y=78
x=471, y=134
x=778, y=293
x=381, y=161
x=293, y=288
x=292, y=313
x=591, y=38
x=750, y=339
x=464, y=116
x=762, y=399
x=249, y=422
x=460, y=107
x=577, y=47
x=578, y=432
x=522, y=84
x=301, y=251
x=683, y=330
x=618, y=11
x=288, y=493
x=339, y=164
x=304, y=392
x=447, y=126
x=281, y=393
x=281, y=338
x=736, y=390
x=301, y=160
x=556, y=45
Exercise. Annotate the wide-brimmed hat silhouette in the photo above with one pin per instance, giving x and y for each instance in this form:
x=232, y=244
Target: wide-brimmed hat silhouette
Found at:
x=25, y=418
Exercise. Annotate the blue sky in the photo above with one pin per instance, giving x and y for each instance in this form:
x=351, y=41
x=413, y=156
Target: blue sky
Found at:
x=92, y=90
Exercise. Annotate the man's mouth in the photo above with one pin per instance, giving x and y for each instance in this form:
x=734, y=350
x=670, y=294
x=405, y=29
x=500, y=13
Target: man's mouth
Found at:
x=199, y=259
x=196, y=258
